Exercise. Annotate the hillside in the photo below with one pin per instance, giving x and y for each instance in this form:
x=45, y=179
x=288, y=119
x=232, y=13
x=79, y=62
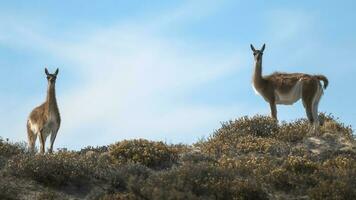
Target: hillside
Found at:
x=249, y=158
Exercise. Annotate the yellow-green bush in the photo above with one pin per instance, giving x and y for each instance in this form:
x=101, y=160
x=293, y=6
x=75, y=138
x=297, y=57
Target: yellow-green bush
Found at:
x=258, y=125
x=294, y=131
x=197, y=157
x=295, y=173
x=332, y=124
x=98, y=149
x=336, y=179
x=243, y=145
x=197, y=181
x=243, y=135
x=300, y=164
x=148, y=153
x=255, y=166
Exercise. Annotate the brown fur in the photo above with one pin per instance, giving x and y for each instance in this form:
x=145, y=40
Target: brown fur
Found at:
x=45, y=118
x=284, y=83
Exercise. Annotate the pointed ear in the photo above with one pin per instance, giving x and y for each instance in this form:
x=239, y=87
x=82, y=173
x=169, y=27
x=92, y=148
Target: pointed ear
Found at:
x=46, y=71
x=55, y=73
x=252, y=48
x=263, y=47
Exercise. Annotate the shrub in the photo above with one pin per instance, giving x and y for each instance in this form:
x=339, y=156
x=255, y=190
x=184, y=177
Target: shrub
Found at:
x=116, y=196
x=250, y=158
x=198, y=181
x=295, y=173
x=225, y=140
x=197, y=157
x=333, y=189
x=119, y=180
x=258, y=125
x=336, y=179
x=293, y=132
x=7, y=150
x=150, y=154
x=51, y=169
x=332, y=124
x=7, y=191
x=243, y=145
x=300, y=164
x=48, y=195
x=98, y=149
x=248, y=166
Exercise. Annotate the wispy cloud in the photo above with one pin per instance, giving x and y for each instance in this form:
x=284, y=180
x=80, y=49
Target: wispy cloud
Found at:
x=131, y=81
x=130, y=76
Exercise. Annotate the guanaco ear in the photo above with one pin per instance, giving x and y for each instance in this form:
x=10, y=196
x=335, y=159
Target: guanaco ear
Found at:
x=55, y=73
x=252, y=48
x=46, y=71
x=263, y=48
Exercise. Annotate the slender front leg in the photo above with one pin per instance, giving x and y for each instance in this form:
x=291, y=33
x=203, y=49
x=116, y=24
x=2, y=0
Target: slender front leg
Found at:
x=31, y=139
x=273, y=110
x=53, y=137
x=42, y=143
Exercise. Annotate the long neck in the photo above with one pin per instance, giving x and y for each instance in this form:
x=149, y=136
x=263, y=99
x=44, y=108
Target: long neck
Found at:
x=51, y=101
x=257, y=76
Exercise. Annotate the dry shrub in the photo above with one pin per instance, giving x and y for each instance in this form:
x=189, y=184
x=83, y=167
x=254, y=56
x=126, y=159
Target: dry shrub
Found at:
x=336, y=179
x=245, y=144
x=333, y=125
x=126, y=173
x=117, y=196
x=227, y=139
x=48, y=195
x=52, y=169
x=7, y=150
x=250, y=165
x=293, y=132
x=8, y=191
x=148, y=153
x=261, y=145
x=261, y=126
x=300, y=164
x=333, y=189
x=249, y=158
x=197, y=181
x=181, y=148
x=98, y=149
x=296, y=173
x=197, y=157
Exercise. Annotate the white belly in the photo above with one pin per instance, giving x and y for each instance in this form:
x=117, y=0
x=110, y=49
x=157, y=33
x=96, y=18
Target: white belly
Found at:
x=291, y=97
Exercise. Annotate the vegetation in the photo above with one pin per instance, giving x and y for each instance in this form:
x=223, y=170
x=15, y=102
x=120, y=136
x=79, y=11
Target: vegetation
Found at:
x=249, y=158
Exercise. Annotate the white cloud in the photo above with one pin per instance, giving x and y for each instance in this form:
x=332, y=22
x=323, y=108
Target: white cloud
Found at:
x=131, y=83
x=130, y=77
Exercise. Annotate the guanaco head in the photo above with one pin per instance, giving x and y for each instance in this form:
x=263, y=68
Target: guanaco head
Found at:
x=51, y=77
x=257, y=54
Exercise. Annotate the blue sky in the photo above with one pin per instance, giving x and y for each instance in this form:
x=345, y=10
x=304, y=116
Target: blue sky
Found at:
x=166, y=70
